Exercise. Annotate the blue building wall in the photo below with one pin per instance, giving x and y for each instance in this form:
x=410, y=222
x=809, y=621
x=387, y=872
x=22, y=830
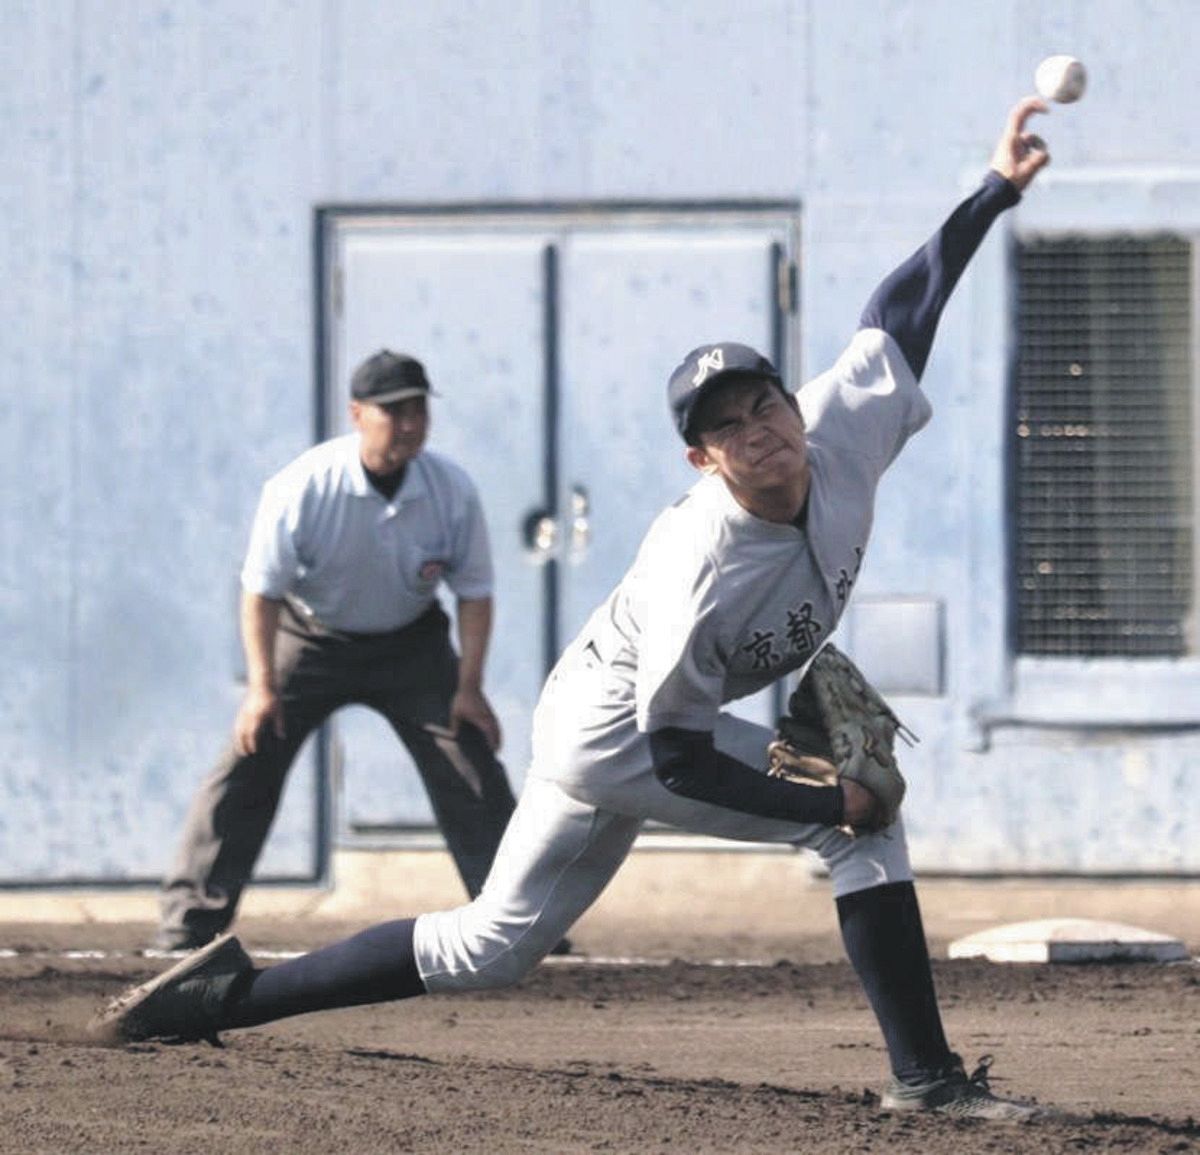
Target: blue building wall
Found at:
x=162, y=163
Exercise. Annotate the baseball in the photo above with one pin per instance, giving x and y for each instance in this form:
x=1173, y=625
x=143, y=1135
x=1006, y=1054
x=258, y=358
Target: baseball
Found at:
x=1061, y=79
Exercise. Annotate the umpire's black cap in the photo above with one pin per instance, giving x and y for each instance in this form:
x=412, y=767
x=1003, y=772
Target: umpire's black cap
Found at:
x=706, y=365
x=385, y=377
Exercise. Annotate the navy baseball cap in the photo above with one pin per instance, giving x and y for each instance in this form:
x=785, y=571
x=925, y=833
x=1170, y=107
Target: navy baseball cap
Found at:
x=706, y=366
x=385, y=377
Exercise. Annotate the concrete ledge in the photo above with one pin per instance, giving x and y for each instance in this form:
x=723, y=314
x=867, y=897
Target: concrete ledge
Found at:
x=751, y=903
x=395, y=883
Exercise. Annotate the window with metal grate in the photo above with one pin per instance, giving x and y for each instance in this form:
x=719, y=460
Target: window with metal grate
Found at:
x=1105, y=524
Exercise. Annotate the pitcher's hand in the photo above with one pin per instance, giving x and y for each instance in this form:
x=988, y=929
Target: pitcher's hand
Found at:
x=1019, y=155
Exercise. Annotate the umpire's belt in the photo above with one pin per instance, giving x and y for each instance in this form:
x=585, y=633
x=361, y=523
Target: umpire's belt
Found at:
x=299, y=619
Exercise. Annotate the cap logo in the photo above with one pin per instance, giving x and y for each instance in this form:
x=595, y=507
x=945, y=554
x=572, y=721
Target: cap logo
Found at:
x=711, y=362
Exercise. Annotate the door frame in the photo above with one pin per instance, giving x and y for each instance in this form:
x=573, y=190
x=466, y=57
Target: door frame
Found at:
x=554, y=217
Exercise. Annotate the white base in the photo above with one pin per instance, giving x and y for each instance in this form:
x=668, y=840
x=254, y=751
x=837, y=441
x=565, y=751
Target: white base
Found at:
x=1069, y=940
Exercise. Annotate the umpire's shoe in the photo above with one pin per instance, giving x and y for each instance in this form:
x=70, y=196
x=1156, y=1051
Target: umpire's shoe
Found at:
x=182, y=1004
x=953, y=1092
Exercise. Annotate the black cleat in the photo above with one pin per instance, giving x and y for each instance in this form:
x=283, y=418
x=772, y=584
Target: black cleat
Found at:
x=953, y=1092
x=183, y=1003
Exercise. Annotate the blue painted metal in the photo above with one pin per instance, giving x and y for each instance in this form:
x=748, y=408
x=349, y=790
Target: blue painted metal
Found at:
x=163, y=163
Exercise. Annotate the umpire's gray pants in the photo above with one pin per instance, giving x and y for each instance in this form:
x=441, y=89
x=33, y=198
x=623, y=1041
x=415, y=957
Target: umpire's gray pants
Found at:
x=409, y=676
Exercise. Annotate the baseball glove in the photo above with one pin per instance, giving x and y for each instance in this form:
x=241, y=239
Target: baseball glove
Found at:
x=837, y=727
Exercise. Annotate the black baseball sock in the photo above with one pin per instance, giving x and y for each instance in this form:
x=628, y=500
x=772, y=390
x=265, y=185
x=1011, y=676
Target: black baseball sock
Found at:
x=374, y=966
x=885, y=941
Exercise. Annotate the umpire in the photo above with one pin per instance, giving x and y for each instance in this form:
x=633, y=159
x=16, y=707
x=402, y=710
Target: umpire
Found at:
x=338, y=606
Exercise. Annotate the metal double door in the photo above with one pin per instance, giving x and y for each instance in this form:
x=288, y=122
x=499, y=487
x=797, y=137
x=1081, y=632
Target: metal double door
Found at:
x=548, y=337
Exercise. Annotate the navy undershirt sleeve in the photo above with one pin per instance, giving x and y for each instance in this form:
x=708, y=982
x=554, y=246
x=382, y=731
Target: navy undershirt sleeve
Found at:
x=908, y=303
x=688, y=763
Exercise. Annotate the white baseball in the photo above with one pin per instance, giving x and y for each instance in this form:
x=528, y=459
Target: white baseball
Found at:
x=1061, y=79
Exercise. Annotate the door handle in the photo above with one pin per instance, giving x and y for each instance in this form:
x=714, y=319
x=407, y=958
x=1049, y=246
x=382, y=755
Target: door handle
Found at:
x=540, y=533
x=581, y=522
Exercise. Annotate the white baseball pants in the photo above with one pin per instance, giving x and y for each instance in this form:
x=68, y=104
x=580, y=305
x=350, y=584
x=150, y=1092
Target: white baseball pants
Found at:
x=560, y=852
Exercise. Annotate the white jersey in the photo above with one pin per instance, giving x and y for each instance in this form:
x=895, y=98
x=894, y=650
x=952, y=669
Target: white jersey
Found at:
x=720, y=603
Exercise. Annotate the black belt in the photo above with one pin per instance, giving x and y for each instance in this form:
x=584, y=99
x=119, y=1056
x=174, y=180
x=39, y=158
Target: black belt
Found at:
x=433, y=618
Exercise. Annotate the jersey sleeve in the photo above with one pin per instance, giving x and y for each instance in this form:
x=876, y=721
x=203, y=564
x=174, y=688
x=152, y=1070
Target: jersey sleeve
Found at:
x=868, y=404
x=469, y=573
x=272, y=561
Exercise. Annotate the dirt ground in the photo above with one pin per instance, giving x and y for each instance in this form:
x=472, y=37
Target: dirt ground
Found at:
x=666, y=1055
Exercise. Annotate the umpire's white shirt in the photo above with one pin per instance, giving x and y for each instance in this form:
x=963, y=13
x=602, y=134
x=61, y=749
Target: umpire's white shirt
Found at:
x=357, y=560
